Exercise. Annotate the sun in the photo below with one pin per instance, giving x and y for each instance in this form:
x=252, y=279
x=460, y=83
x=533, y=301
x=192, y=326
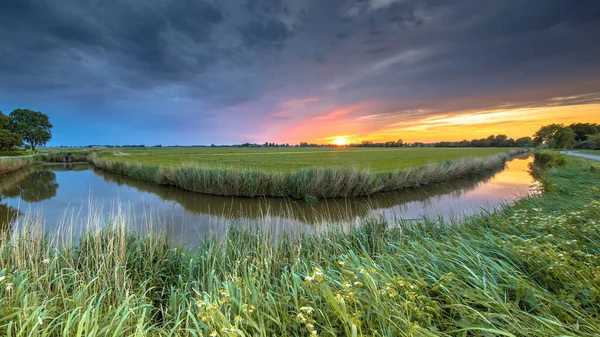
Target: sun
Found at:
x=340, y=141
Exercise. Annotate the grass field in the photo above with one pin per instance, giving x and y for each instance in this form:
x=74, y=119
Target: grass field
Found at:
x=292, y=159
x=305, y=183
x=532, y=269
x=592, y=152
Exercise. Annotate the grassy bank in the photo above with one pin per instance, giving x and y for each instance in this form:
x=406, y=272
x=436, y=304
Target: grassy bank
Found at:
x=13, y=164
x=309, y=183
x=293, y=159
x=528, y=270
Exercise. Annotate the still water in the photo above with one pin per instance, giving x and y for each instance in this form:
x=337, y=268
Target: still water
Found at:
x=53, y=192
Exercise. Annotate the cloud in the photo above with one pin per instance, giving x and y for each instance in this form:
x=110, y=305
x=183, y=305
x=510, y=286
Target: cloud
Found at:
x=212, y=64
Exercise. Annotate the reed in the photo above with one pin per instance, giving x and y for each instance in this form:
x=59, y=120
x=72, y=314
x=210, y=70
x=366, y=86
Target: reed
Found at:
x=14, y=164
x=532, y=269
x=309, y=183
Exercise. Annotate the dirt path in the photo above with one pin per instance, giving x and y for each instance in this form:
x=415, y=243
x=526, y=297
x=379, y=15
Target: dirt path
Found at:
x=583, y=155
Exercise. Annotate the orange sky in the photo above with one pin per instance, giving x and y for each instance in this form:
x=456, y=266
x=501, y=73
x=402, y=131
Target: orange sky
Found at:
x=357, y=123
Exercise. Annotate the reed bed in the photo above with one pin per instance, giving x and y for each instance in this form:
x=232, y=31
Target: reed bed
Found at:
x=532, y=269
x=14, y=164
x=309, y=183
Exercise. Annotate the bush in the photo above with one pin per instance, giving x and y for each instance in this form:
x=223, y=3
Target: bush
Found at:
x=550, y=159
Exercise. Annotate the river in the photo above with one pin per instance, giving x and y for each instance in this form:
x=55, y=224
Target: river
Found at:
x=55, y=192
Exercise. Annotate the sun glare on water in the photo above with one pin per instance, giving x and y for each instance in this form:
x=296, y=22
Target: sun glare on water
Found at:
x=340, y=141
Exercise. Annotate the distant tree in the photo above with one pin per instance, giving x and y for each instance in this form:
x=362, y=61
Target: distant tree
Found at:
x=551, y=143
x=500, y=140
x=524, y=142
x=583, y=130
x=33, y=126
x=565, y=137
x=545, y=133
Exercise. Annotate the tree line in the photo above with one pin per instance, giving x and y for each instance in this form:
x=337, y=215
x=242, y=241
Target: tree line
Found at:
x=24, y=126
x=491, y=141
x=558, y=136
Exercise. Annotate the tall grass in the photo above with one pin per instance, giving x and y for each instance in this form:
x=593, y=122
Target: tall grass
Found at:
x=307, y=183
x=528, y=270
x=59, y=156
x=14, y=164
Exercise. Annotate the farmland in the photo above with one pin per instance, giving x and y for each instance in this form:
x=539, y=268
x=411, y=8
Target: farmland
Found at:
x=292, y=159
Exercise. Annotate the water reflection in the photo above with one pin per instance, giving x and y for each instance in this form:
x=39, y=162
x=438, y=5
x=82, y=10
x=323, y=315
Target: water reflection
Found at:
x=54, y=190
x=331, y=210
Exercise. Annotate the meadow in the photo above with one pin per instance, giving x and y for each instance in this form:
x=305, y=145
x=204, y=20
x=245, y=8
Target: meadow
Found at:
x=530, y=269
x=308, y=183
x=289, y=159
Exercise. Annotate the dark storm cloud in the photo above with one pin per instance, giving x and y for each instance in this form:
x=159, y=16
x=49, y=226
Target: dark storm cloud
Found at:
x=199, y=58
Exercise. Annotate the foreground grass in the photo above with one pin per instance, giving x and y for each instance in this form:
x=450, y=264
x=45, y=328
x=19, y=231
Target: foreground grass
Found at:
x=529, y=270
x=13, y=164
x=293, y=159
x=308, y=183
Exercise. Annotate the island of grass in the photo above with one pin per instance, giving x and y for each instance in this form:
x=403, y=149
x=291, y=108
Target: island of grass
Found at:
x=301, y=173
x=290, y=159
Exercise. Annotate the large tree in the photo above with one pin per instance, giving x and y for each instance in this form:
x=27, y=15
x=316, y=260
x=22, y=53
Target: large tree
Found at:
x=594, y=140
x=545, y=133
x=8, y=139
x=33, y=126
x=582, y=130
x=565, y=137
x=4, y=121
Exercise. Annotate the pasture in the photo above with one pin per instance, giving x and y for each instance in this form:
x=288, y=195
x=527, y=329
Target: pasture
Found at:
x=292, y=158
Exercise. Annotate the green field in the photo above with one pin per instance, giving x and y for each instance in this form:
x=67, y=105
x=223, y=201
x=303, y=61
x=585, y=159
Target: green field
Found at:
x=291, y=159
x=592, y=152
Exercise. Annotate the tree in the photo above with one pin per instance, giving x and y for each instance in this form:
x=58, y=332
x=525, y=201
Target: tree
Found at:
x=33, y=126
x=9, y=140
x=545, y=133
x=501, y=141
x=594, y=139
x=524, y=142
x=565, y=137
x=583, y=130
x=4, y=121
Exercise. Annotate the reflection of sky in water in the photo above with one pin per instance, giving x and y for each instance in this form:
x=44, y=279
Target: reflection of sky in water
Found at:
x=512, y=183
x=189, y=216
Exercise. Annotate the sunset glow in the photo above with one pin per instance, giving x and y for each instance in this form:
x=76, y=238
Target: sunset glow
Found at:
x=340, y=141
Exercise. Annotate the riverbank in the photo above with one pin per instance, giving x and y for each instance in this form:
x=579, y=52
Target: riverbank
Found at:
x=532, y=269
x=14, y=164
x=309, y=183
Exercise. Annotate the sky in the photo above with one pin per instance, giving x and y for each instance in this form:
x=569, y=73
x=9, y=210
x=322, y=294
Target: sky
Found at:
x=287, y=71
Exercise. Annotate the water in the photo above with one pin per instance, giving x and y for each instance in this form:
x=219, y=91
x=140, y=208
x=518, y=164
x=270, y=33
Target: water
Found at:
x=55, y=191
